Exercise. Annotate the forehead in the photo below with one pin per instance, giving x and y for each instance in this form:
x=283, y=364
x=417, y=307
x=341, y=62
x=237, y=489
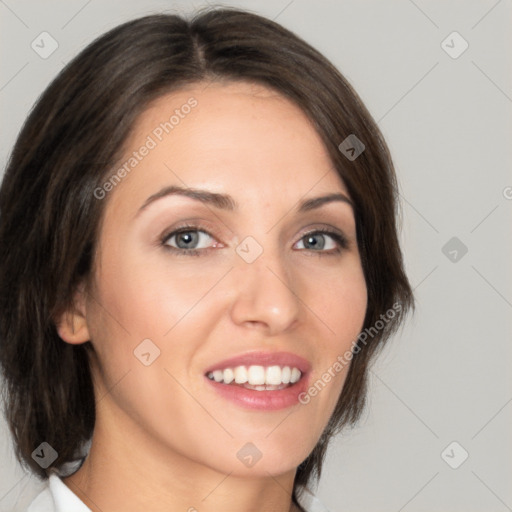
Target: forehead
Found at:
x=239, y=138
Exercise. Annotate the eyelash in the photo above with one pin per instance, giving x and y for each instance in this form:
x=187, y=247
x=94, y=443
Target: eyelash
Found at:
x=184, y=229
x=339, y=239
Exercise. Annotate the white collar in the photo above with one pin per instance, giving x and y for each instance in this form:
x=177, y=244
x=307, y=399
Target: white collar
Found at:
x=57, y=497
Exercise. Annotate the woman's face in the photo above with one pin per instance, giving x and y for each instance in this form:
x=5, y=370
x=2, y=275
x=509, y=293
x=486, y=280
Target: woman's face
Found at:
x=227, y=252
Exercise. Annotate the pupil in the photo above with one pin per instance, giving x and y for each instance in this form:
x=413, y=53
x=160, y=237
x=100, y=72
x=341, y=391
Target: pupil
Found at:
x=315, y=242
x=187, y=240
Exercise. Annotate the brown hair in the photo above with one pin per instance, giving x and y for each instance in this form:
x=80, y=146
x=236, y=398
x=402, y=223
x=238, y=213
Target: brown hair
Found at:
x=49, y=216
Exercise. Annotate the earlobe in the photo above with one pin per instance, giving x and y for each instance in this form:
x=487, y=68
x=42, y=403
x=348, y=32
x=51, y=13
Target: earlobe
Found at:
x=71, y=325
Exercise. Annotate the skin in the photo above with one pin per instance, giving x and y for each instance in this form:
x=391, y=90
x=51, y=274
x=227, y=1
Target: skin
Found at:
x=164, y=439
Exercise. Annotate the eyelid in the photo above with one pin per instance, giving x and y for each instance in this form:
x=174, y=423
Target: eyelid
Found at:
x=188, y=225
x=184, y=229
x=337, y=234
x=340, y=239
x=338, y=249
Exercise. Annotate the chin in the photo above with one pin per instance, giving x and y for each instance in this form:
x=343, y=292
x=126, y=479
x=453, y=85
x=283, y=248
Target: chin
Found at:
x=274, y=455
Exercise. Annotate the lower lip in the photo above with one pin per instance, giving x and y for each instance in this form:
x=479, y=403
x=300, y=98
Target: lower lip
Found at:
x=261, y=400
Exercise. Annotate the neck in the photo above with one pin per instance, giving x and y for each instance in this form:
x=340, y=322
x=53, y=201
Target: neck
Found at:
x=128, y=472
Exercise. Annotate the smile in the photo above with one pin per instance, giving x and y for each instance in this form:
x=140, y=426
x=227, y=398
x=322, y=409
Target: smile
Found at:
x=258, y=378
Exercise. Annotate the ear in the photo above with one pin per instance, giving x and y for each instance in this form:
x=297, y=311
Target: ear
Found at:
x=72, y=324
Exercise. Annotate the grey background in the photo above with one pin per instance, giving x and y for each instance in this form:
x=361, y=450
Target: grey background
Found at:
x=448, y=122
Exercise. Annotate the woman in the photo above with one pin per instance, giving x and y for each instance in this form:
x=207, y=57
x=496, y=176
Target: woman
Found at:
x=199, y=260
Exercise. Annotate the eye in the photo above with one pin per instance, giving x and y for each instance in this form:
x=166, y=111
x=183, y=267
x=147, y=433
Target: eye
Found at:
x=189, y=239
x=321, y=241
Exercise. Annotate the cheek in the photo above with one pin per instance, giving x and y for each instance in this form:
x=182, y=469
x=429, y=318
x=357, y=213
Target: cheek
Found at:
x=141, y=298
x=341, y=302
x=146, y=295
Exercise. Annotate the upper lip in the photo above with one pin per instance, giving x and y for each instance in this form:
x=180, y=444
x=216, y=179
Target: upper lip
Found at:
x=263, y=359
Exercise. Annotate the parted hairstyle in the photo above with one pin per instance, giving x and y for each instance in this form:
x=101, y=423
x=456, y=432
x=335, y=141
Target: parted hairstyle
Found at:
x=73, y=138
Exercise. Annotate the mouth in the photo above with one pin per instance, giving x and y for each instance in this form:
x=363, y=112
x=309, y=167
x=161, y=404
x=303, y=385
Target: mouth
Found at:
x=264, y=381
x=258, y=378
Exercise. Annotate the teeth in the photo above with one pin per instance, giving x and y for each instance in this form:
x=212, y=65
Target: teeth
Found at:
x=295, y=375
x=241, y=376
x=265, y=387
x=228, y=376
x=273, y=376
x=286, y=375
x=258, y=377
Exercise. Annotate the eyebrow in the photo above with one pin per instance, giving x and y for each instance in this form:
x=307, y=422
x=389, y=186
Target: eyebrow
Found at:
x=317, y=202
x=221, y=201
x=226, y=202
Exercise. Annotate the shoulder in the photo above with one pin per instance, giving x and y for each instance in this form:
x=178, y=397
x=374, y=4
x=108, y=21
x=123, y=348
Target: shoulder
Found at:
x=57, y=497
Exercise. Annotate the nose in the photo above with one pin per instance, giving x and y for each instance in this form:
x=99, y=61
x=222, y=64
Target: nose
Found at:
x=263, y=296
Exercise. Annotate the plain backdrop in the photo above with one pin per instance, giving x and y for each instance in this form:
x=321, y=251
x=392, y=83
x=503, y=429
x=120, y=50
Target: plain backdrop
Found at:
x=441, y=391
